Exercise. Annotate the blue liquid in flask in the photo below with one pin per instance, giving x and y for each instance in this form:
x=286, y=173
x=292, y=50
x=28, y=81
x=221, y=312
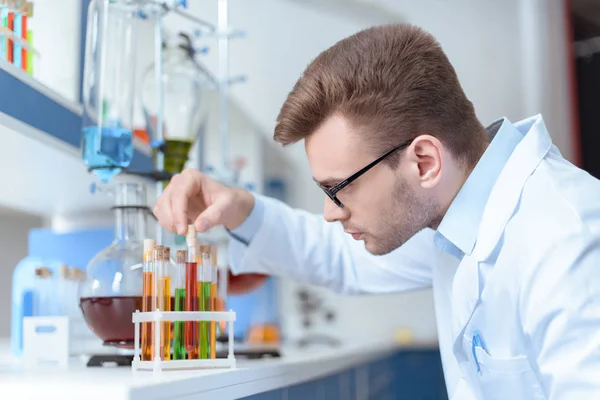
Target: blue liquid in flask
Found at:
x=114, y=153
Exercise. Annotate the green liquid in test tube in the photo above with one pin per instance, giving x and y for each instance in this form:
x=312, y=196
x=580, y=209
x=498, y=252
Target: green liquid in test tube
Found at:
x=178, y=326
x=204, y=298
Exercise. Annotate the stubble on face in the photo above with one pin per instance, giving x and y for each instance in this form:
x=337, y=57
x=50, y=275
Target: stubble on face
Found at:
x=408, y=214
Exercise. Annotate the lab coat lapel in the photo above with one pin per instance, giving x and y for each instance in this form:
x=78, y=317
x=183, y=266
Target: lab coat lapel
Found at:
x=504, y=197
x=506, y=193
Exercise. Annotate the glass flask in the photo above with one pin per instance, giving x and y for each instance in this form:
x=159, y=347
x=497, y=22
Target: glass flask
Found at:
x=112, y=290
x=108, y=87
x=186, y=86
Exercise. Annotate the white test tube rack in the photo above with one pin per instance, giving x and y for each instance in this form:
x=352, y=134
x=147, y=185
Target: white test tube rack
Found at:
x=157, y=364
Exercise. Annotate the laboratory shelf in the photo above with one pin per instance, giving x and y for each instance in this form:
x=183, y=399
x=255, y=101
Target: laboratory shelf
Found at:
x=40, y=156
x=31, y=102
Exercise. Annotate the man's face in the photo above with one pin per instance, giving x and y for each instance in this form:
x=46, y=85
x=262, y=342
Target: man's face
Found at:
x=384, y=207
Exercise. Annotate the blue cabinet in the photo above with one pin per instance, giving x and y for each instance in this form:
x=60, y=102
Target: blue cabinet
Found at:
x=411, y=375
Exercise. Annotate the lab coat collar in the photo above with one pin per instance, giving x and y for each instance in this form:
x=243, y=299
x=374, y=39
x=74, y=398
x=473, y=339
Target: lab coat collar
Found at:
x=505, y=194
x=458, y=231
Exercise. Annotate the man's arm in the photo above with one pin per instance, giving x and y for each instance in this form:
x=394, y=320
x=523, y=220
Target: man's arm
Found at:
x=560, y=306
x=278, y=240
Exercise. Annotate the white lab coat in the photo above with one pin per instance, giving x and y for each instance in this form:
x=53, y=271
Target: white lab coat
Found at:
x=531, y=286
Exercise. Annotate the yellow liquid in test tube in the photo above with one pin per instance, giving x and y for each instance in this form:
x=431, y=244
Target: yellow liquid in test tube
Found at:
x=148, y=300
x=164, y=290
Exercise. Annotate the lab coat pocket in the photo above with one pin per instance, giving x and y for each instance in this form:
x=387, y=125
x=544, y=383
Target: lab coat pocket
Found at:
x=507, y=378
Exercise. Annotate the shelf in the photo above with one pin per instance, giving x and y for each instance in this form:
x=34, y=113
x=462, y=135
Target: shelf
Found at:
x=34, y=104
x=40, y=152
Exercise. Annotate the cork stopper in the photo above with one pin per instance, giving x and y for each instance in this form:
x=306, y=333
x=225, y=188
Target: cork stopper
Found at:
x=181, y=256
x=64, y=271
x=76, y=274
x=157, y=253
x=43, y=272
x=166, y=254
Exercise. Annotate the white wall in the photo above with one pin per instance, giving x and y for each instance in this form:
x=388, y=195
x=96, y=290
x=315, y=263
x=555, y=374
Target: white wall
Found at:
x=56, y=36
x=245, y=140
x=509, y=56
x=14, y=230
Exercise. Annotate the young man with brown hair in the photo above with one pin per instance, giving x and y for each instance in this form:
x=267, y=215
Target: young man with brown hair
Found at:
x=502, y=227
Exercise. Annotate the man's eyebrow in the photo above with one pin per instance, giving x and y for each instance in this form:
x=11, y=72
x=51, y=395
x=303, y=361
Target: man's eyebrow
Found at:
x=328, y=181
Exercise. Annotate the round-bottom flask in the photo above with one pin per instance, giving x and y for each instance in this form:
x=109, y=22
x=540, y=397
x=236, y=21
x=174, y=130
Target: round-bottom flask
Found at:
x=113, y=287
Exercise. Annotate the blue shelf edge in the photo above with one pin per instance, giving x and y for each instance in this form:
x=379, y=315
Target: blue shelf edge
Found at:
x=30, y=106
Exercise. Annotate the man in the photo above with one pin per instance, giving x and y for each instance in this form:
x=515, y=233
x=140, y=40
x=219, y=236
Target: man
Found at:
x=502, y=227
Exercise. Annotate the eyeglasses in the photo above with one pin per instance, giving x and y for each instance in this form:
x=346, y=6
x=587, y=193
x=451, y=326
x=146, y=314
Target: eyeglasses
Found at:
x=332, y=191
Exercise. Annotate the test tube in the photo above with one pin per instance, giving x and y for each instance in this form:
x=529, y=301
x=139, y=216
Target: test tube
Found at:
x=10, y=44
x=204, y=280
x=18, y=32
x=178, y=329
x=164, y=301
x=3, y=24
x=221, y=288
x=148, y=298
x=191, y=293
x=213, y=300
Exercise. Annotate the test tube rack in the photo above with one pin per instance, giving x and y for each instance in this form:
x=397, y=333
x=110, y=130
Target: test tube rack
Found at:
x=157, y=365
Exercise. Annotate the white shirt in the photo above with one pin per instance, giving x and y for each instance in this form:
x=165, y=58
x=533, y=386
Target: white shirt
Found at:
x=514, y=265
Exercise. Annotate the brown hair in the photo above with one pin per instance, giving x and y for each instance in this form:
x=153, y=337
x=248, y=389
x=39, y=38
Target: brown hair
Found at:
x=392, y=83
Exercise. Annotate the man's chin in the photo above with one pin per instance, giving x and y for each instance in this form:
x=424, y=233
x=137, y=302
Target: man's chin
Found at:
x=374, y=249
x=378, y=249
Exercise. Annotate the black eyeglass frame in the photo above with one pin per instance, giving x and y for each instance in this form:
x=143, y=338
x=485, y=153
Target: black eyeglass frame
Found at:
x=332, y=191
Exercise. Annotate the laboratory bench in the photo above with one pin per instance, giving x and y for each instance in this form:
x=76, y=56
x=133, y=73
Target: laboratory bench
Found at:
x=365, y=371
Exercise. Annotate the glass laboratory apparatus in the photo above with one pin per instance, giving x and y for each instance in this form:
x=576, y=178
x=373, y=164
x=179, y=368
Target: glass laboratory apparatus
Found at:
x=112, y=290
x=185, y=88
x=108, y=87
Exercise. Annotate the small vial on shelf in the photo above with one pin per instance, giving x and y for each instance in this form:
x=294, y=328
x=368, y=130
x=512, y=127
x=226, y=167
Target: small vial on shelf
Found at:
x=148, y=298
x=178, y=329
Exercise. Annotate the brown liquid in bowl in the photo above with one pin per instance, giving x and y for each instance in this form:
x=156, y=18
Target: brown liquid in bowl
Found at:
x=111, y=318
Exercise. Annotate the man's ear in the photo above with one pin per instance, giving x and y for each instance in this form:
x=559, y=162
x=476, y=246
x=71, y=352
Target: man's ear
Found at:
x=426, y=154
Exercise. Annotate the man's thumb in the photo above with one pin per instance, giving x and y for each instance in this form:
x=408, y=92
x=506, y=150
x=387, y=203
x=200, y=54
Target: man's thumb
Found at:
x=211, y=217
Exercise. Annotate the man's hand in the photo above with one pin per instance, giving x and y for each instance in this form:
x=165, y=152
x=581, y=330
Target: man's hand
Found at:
x=192, y=197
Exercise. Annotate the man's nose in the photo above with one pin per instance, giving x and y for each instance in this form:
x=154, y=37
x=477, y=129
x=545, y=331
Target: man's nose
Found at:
x=332, y=212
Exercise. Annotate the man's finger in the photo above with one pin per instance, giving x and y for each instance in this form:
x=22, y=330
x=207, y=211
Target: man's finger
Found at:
x=211, y=216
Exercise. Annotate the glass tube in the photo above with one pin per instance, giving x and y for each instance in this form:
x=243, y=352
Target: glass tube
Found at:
x=164, y=301
x=191, y=293
x=178, y=330
x=204, y=278
x=213, y=300
x=148, y=298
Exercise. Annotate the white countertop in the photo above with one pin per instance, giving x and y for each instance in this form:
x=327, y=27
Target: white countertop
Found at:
x=121, y=383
